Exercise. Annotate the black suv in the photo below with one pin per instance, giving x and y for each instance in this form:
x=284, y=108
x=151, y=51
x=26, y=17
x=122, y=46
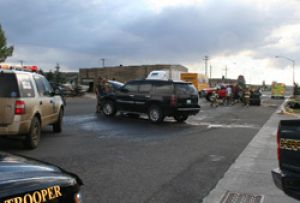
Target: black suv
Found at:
x=157, y=98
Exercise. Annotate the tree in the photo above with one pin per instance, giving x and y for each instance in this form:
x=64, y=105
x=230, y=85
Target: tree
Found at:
x=4, y=50
x=58, y=76
x=50, y=76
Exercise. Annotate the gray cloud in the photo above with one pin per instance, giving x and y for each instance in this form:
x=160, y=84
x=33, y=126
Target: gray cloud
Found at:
x=126, y=32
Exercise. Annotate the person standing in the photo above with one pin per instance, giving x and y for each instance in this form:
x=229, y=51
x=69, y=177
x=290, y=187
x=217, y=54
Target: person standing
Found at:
x=235, y=92
x=228, y=94
x=214, y=99
x=99, y=92
x=247, y=95
x=107, y=89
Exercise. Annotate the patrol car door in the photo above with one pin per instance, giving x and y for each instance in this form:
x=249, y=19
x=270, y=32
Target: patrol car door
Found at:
x=126, y=96
x=44, y=100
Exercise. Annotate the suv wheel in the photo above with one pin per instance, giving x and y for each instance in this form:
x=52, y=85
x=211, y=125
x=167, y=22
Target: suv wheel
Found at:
x=108, y=108
x=57, y=127
x=155, y=114
x=32, y=139
x=180, y=117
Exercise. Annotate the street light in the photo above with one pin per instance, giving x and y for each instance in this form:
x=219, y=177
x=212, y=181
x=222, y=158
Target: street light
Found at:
x=293, y=62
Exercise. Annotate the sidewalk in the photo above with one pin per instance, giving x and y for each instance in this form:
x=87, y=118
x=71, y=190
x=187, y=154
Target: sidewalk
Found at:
x=251, y=172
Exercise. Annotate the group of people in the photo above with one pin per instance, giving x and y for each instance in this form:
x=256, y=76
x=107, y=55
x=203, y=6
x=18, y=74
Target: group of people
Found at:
x=233, y=94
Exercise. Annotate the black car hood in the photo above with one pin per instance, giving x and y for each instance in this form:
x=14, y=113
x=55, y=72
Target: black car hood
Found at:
x=21, y=174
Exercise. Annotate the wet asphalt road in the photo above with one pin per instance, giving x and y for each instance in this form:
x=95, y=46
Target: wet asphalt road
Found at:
x=131, y=160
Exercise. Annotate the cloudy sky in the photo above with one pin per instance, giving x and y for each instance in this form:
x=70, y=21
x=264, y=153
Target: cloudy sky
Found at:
x=243, y=35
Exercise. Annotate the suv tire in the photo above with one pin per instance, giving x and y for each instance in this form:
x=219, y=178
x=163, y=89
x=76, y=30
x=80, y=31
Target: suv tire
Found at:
x=180, y=117
x=155, y=114
x=32, y=139
x=108, y=108
x=57, y=126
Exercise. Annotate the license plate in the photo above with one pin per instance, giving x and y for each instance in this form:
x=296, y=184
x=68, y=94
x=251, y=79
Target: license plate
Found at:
x=188, y=101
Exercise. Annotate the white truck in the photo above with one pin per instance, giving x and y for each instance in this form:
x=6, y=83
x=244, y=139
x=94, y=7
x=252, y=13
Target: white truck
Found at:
x=164, y=75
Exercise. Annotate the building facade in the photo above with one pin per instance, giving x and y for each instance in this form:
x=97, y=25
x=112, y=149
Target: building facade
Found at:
x=214, y=81
x=88, y=76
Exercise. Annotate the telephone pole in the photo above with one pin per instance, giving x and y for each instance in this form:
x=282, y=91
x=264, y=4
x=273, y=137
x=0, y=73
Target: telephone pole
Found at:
x=21, y=62
x=206, y=58
x=103, y=62
x=210, y=71
x=226, y=69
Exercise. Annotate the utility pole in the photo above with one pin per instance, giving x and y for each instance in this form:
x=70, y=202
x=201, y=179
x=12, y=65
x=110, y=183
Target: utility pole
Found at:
x=206, y=58
x=226, y=69
x=21, y=62
x=103, y=62
x=210, y=71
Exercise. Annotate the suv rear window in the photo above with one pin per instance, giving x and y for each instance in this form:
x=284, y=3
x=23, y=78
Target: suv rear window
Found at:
x=8, y=85
x=185, y=88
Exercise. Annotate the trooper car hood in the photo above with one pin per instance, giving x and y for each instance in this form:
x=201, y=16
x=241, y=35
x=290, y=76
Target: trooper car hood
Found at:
x=20, y=174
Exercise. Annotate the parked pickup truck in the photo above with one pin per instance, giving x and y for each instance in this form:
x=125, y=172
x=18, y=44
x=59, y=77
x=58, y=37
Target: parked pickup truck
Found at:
x=287, y=176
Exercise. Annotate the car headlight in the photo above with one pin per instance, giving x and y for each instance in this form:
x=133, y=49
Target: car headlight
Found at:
x=78, y=198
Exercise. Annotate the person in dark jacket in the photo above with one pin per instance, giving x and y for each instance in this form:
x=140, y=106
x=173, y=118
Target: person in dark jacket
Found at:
x=99, y=92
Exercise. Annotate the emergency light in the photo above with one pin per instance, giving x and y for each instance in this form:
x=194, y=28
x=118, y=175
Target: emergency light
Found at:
x=20, y=68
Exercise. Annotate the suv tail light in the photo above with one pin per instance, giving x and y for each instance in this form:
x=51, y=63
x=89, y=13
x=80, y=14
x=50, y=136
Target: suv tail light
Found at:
x=278, y=144
x=20, y=107
x=173, y=100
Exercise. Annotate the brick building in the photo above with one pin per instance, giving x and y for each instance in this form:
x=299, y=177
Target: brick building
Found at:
x=88, y=76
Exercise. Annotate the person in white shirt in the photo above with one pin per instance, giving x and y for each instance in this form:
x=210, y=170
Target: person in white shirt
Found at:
x=229, y=95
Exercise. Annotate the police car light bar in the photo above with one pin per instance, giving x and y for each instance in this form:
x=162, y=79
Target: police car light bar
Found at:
x=20, y=68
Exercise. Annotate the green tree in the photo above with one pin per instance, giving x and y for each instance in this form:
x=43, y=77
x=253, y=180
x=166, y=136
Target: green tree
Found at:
x=4, y=50
x=58, y=76
x=50, y=76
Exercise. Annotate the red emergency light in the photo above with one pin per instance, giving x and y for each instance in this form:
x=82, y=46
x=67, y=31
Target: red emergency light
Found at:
x=31, y=68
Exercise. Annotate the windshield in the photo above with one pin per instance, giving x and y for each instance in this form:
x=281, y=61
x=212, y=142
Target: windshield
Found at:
x=116, y=85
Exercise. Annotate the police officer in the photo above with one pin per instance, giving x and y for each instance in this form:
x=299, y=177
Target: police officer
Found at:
x=229, y=95
x=214, y=99
x=247, y=94
x=99, y=91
